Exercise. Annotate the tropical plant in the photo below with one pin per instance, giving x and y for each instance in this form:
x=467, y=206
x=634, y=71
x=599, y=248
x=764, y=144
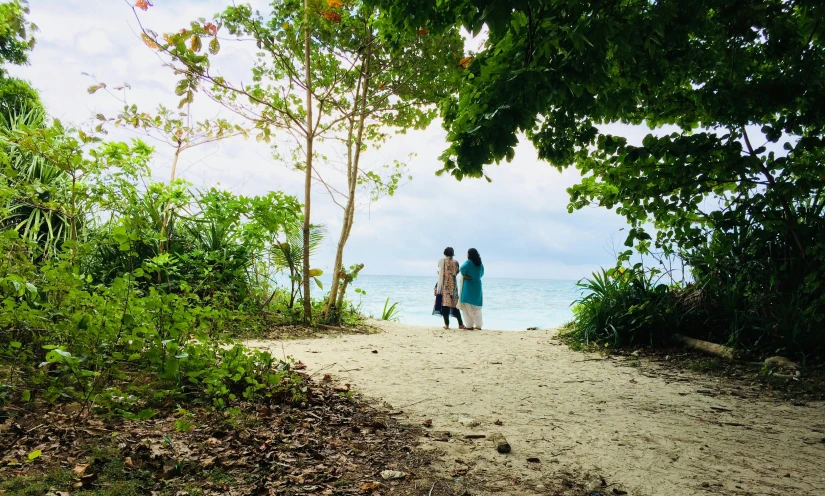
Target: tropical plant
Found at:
x=622, y=307
x=390, y=312
x=353, y=88
x=734, y=187
x=288, y=252
x=41, y=187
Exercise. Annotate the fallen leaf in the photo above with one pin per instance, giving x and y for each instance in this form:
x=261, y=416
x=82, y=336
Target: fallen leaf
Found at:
x=370, y=486
x=327, y=378
x=80, y=469
x=392, y=474
x=459, y=470
x=498, y=422
x=299, y=366
x=427, y=423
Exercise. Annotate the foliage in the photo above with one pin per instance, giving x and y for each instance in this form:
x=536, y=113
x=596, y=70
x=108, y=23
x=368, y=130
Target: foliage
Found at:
x=735, y=189
x=355, y=88
x=17, y=97
x=16, y=32
x=288, y=252
x=622, y=308
x=390, y=312
x=104, y=303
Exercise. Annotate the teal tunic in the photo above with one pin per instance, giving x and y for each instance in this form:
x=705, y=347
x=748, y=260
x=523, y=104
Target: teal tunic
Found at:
x=471, y=291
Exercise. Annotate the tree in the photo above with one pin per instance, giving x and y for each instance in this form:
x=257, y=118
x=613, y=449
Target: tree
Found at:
x=322, y=75
x=175, y=129
x=738, y=189
x=17, y=97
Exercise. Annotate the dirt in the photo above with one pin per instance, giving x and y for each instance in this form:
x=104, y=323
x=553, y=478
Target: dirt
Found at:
x=621, y=424
x=333, y=443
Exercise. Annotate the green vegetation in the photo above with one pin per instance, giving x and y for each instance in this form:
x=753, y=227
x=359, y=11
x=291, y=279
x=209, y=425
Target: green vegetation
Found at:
x=325, y=76
x=732, y=191
x=390, y=312
x=122, y=293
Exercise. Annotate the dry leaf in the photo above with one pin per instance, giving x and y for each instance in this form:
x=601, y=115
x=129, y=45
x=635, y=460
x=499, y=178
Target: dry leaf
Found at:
x=335, y=4
x=370, y=486
x=332, y=16
x=465, y=62
x=427, y=423
x=80, y=469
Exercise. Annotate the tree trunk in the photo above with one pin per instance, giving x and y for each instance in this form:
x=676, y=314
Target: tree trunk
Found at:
x=708, y=347
x=343, y=290
x=308, y=178
x=332, y=307
x=165, y=241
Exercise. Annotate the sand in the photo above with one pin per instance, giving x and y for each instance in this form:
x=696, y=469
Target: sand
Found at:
x=648, y=430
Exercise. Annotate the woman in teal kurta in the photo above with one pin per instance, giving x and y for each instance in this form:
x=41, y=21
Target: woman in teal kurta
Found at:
x=471, y=295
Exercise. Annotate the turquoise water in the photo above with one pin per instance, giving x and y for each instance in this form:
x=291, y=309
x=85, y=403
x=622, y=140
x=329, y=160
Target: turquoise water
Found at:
x=509, y=304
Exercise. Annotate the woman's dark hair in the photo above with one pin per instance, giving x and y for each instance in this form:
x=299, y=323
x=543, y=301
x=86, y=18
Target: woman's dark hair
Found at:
x=449, y=252
x=473, y=255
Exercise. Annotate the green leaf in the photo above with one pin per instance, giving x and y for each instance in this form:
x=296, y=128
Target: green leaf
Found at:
x=35, y=455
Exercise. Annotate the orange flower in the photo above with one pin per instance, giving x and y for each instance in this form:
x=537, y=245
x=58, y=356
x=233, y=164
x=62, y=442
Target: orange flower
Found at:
x=143, y=4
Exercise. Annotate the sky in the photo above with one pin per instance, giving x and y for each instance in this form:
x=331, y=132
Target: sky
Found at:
x=519, y=222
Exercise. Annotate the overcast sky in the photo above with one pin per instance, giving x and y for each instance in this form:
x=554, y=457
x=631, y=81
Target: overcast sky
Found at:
x=519, y=222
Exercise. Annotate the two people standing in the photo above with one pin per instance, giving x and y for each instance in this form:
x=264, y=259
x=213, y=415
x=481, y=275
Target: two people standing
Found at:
x=459, y=289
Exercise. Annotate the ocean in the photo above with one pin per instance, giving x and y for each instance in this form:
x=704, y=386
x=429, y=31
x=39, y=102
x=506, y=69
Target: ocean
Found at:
x=509, y=304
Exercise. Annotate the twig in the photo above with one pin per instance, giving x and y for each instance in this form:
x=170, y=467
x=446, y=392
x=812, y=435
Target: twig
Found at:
x=417, y=402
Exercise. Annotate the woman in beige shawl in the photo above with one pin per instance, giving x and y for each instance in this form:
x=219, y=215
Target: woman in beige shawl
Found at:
x=447, y=288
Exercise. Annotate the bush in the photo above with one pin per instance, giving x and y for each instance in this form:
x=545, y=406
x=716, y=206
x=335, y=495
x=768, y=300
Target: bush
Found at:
x=69, y=338
x=621, y=308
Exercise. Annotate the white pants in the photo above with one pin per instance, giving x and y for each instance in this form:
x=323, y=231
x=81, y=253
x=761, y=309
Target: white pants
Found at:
x=472, y=315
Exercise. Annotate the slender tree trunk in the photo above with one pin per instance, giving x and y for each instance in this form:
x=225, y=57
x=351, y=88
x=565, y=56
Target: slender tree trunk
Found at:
x=165, y=242
x=308, y=178
x=73, y=221
x=332, y=307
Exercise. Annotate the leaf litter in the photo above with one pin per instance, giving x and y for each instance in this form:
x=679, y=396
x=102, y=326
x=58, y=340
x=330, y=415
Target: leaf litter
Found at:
x=330, y=444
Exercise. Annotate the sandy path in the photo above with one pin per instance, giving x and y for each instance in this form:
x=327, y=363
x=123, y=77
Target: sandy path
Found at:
x=651, y=434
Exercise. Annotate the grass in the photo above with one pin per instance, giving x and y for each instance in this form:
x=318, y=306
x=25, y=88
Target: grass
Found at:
x=390, y=312
x=112, y=480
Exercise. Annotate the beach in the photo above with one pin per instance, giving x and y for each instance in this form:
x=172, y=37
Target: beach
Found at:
x=643, y=429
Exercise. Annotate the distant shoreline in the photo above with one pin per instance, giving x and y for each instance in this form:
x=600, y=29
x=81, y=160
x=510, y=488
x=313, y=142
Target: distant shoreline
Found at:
x=485, y=278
